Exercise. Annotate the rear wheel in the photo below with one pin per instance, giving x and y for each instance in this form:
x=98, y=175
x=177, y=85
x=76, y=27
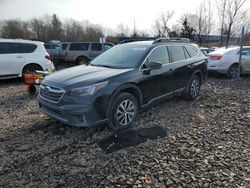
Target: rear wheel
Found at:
x=82, y=61
x=193, y=88
x=233, y=71
x=124, y=112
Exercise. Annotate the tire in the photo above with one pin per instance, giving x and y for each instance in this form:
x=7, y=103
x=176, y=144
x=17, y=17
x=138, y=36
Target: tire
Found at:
x=193, y=88
x=31, y=68
x=233, y=71
x=82, y=61
x=121, y=119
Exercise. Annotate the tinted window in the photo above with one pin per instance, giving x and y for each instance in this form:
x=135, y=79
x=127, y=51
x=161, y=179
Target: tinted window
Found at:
x=159, y=54
x=46, y=46
x=109, y=44
x=192, y=52
x=79, y=46
x=107, y=47
x=50, y=46
x=246, y=51
x=96, y=47
x=27, y=48
x=177, y=53
x=64, y=46
x=9, y=48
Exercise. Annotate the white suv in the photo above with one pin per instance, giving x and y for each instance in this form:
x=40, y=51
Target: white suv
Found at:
x=226, y=61
x=23, y=56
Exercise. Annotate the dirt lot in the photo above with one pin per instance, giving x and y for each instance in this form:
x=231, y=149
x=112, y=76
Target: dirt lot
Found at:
x=207, y=144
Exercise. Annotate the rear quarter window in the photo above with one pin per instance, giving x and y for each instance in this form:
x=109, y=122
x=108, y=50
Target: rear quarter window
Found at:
x=191, y=51
x=79, y=46
x=27, y=48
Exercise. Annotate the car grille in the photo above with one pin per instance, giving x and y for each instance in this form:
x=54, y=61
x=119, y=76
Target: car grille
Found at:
x=52, y=94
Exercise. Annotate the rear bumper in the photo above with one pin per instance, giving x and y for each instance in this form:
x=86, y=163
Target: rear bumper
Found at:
x=217, y=69
x=74, y=115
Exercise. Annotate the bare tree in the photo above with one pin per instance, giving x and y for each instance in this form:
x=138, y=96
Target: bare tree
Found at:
x=122, y=30
x=233, y=14
x=16, y=29
x=73, y=31
x=161, y=24
x=221, y=7
x=201, y=21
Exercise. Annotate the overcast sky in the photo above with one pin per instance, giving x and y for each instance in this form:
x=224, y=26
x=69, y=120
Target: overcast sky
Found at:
x=108, y=13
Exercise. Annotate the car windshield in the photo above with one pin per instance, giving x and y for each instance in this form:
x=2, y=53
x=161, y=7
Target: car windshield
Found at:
x=121, y=56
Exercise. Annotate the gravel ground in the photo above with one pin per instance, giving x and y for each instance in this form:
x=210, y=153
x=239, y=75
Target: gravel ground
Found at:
x=207, y=144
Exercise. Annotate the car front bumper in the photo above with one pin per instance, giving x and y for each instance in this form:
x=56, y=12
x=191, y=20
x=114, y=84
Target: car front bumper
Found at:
x=76, y=115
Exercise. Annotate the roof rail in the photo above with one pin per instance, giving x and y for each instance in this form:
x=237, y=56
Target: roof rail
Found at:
x=167, y=39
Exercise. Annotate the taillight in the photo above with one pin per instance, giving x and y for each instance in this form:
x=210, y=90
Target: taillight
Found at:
x=48, y=57
x=216, y=57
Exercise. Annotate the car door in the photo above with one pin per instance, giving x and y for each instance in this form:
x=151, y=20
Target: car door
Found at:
x=179, y=72
x=96, y=49
x=157, y=82
x=246, y=60
x=11, y=59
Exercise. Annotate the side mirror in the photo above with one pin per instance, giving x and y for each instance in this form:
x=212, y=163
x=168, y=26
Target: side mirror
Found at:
x=152, y=65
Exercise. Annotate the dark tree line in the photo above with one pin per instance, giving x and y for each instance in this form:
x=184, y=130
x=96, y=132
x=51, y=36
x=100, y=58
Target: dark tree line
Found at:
x=49, y=28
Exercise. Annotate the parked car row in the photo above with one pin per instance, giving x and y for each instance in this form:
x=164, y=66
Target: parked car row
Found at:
x=226, y=61
x=77, y=52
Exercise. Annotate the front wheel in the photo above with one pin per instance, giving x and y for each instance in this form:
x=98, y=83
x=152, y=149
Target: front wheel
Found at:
x=193, y=88
x=31, y=68
x=124, y=112
x=82, y=61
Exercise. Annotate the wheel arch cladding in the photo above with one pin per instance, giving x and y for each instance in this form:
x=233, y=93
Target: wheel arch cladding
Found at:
x=126, y=88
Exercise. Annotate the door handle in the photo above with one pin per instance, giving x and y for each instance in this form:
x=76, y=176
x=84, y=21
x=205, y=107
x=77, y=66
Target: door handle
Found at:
x=19, y=56
x=171, y=71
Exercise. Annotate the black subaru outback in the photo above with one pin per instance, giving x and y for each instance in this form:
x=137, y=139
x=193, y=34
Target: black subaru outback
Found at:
x=117, y=84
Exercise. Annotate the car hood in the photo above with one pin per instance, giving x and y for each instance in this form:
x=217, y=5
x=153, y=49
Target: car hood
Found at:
x=82, y=75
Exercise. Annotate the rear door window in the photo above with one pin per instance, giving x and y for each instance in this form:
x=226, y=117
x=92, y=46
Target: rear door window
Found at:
x=246, y=51
x=177, y=53
x=79, y=46
x=96, y=47
x=9, y=48
x=27, y=48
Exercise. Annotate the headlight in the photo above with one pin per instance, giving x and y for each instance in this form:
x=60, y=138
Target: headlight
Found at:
x=88, y=90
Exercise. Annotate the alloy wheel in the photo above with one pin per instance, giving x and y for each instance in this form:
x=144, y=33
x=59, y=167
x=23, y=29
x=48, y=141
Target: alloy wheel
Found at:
x=195, y=88
x=125, y=112
x=234, y=72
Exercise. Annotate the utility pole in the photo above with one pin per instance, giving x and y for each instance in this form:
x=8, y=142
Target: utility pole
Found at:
x=134, y=28
x=241, y=45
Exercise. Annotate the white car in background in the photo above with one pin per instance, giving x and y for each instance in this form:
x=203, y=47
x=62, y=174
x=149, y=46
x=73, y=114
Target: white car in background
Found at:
x=226, y=61
x=19, y=56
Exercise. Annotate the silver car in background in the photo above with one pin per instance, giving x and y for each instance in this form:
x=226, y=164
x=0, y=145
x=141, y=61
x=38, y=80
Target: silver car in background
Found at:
x=226, y=61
